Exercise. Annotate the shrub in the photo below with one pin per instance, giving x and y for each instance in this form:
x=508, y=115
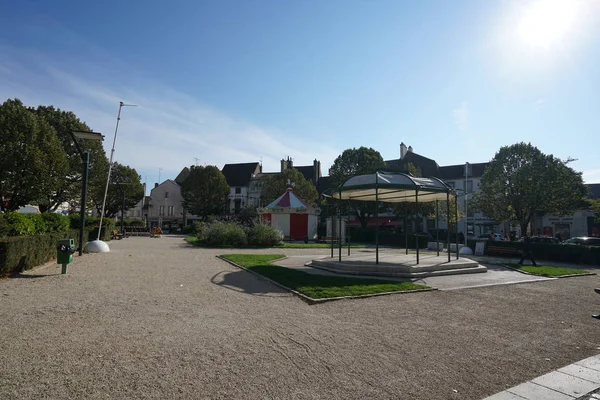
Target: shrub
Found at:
x=20, y=224
x=264, y=235
x=39, y=223
x=56, y=222
x=4, y=226
x=222, y=234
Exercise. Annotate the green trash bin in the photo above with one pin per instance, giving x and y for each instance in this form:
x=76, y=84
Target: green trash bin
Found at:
x=64, y=253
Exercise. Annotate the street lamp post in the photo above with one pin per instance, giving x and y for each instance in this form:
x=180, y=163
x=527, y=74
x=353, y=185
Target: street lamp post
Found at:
x=85, y=157
x=110, y=164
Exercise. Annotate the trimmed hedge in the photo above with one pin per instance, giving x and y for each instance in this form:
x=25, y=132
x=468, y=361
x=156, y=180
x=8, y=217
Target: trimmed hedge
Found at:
x=20, y=253
x=557, y=252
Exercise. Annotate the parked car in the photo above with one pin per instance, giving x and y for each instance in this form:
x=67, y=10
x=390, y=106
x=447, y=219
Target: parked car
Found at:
x=542, y=239
x=583, y=241
x=497, y=237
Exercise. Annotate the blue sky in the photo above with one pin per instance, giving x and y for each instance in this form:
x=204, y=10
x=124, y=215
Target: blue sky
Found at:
x=240, y=81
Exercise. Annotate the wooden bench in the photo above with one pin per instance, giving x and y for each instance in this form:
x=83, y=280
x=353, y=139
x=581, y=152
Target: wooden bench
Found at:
x=328, y=239
x=503, y=250
x=116, y=235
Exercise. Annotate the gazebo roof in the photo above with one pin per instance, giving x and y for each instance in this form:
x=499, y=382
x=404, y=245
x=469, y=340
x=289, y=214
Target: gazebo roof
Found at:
x=289, y=200
x=393, y=187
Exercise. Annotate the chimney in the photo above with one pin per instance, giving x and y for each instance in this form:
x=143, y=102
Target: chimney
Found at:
x=283, y=165
x=402, y=150
x=260, y=168
x=410, y=149
x=316, y=168
x=144, y=186
x=290, y=162
x=156, y=185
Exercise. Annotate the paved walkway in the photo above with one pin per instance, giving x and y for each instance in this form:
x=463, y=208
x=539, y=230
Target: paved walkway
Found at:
x=571, y=382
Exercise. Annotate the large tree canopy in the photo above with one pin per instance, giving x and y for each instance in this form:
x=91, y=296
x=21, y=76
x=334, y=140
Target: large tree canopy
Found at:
x=124, y=179
x=352, y=162
x=521, y=180
x=205, y=191
x=69, y=188
x=277, y=184
x=32, y=162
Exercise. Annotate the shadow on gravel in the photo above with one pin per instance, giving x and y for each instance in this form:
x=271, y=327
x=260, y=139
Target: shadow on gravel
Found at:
x=242, y=281
x=30, y=276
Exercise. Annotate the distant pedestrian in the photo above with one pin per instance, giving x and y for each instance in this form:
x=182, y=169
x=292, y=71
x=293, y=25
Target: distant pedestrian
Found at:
x=527, y=250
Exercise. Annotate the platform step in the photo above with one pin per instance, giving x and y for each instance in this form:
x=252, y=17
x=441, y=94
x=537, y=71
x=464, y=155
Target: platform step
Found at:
x=398, y=272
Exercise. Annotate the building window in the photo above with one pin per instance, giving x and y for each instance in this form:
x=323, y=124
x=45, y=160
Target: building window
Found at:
x=166, y=195
x=238, y=190
x=161, y=210
x=171, y=210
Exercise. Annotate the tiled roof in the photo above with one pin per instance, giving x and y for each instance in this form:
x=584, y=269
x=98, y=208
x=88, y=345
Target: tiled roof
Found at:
x=185, y=172
x=322, y=184
x=458, y=171
x=308, y=172
x=289, y=200
x=594, y=190
x=427, y=166
x=240, y=174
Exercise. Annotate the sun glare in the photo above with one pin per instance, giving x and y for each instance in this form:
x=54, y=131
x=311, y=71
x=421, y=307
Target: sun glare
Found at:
x=547, y=22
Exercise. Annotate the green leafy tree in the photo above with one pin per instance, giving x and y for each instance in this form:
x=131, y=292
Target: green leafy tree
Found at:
x=352, y=162
x=277, y=184
x=521, y=181
x=69, y=189
x=124, y=179
x=205, y=191
x=32, y=162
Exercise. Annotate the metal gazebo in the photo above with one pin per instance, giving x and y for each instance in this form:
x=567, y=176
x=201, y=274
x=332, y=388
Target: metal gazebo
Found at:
x=395, y=187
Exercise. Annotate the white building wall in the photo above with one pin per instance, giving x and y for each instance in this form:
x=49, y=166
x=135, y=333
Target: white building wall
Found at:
x=281, y=222
x=242, y=196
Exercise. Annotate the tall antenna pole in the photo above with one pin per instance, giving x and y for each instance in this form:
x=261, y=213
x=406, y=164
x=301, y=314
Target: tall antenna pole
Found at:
x=159, y=171
x=110, y=164
x=196, y=158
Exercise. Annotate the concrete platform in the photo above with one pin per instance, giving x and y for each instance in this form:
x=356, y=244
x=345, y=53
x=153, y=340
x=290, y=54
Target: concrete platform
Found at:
x=398, y=265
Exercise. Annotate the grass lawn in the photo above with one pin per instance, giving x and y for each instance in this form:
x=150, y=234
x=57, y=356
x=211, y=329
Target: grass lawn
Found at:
x=194, y=241
x=546, y=270
x=317, y=286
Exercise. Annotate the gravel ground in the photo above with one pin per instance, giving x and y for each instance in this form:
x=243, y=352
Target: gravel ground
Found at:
x=156, y=319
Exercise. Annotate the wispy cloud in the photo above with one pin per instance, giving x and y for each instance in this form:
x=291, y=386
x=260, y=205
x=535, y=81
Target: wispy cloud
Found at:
x=539, y=104
x=461, y=117
x=591, y=176
x=168, y=129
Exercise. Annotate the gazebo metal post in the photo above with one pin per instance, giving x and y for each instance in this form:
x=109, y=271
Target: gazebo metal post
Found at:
x=405, y=233
x=332, y=228
x=417, y=223
x=437, y=227
x=348, y=235
x=376, y=217
x=456, y=224
x=448, y=223
x=340, y=228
